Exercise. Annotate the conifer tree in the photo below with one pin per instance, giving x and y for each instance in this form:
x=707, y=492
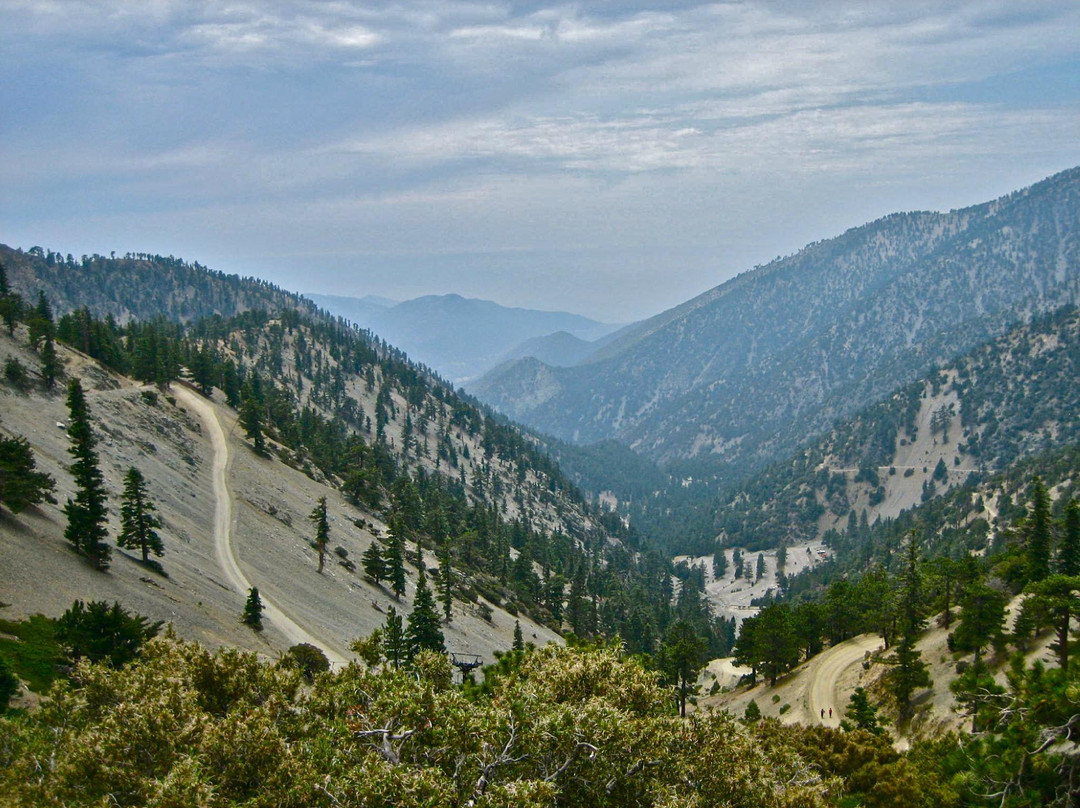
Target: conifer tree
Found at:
x=373, y=563
x=9, y=303
x=395, y=560
x=519, y=638
x=424, y=631
x=50, y=363
x=87, y=513
x=138, y=519
x=251, y=412
x=446, y=579
x=395, y=644
x=253, y=610
x=1069, y=554
x=322, y=530
x=1038, y=532
x=21, y=484
x=681, y=658
x=40, y=321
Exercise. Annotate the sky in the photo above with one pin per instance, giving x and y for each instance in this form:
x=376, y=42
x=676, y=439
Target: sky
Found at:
x=611, y=158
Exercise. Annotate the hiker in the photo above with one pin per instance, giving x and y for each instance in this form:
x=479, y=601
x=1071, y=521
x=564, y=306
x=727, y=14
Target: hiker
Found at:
x=830, y=712
x=822, y=713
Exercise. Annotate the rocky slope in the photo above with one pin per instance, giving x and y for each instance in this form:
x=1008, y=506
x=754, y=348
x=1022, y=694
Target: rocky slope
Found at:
x=271, y=533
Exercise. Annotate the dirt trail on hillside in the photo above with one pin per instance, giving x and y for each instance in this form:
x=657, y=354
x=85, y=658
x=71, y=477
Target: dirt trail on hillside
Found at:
x=825, y=690
x=223, y=519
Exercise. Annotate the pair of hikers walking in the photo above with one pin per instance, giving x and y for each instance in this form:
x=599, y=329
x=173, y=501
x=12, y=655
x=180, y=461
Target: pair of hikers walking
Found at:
x=823, y=713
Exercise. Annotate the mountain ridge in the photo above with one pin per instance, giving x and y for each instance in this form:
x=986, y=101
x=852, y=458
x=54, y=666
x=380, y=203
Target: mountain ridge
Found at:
x=781, y=346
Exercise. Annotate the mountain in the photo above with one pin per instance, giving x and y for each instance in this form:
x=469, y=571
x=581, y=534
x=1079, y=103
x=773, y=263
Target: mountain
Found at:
x=458, y=337
x=328, y=410
x=1009, y=400
x=561, y=349
x=744, y=373
x=360, y=310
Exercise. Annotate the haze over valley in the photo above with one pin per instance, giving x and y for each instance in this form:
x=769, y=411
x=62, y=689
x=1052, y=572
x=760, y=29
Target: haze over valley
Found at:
x=428, y=404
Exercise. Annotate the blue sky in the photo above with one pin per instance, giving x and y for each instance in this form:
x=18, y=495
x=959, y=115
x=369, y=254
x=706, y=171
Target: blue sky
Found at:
x=608, y=158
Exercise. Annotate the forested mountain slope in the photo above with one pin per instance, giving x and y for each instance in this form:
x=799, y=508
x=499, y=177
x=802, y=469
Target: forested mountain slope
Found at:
x=139, y=286
x=1011, y=398
x=744, y=373
x=426, y=466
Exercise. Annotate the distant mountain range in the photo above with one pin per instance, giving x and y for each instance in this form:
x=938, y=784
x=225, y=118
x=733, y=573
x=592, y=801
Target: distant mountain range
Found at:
x=748, y=371
x=461, y=338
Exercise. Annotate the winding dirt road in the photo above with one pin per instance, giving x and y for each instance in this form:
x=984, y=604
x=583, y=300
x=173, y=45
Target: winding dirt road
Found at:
x=223, y=547
x=825, y=691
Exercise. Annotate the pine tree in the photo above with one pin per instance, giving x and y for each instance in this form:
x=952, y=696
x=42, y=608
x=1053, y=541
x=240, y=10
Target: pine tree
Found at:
x=138, y=521
x=253, y=610
x=681, y=657
x=519, y=638
x=9, y=303
x=50, y=363
x=322, y=530
x=1038, y=532
x=446, y=579
x=395, y=644
x=87, y=513
x=424, y=631
x=21, y=484
x=863, y=714
x=251, y=413
x=395, y=561
x=372, y=561
x=40, y=321
x=1069, y=553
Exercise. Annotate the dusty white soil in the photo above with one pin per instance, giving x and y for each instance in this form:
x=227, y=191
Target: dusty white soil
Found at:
x=267, y=542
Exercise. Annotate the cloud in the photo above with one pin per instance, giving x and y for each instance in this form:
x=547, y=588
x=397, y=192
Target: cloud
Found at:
x=432, y=127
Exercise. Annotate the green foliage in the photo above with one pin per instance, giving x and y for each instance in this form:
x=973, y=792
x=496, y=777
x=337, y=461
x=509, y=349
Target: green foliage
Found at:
x=138, y=518
x=981, y=618
x=394, y=643
x=253, y=610
x=681, y=658
x=768, y=642
x=1069, y=553
x=34, y=653
x=21, y=484
x=307, y=659
x=424, y=630
x=103, y=633
x=1037, y=532
x=16, y=374
x=86, y=513
x=322, y=529
x=9, y=683
x=566, y=727
x=862, y=714
x=373, y=563
x=1053, y=602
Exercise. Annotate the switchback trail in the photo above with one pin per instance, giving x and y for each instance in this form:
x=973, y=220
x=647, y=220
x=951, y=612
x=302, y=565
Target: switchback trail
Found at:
x=223, y=547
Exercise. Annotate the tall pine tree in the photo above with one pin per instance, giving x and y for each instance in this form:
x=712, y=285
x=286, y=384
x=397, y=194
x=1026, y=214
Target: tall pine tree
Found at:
x=1038, y=532
x=424, y=631
x=1069, y=553
x=322, y=530
x=86, y=513
x=138, y=519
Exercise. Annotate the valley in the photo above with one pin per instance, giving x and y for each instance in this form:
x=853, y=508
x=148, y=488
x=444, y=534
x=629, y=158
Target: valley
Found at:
x=900, y=527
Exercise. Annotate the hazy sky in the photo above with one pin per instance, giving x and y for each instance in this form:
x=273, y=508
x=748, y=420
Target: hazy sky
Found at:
x=608, y=158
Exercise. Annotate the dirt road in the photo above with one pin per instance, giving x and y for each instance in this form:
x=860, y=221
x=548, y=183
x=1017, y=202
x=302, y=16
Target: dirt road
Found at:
x=825, y=691
x=226, y=554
